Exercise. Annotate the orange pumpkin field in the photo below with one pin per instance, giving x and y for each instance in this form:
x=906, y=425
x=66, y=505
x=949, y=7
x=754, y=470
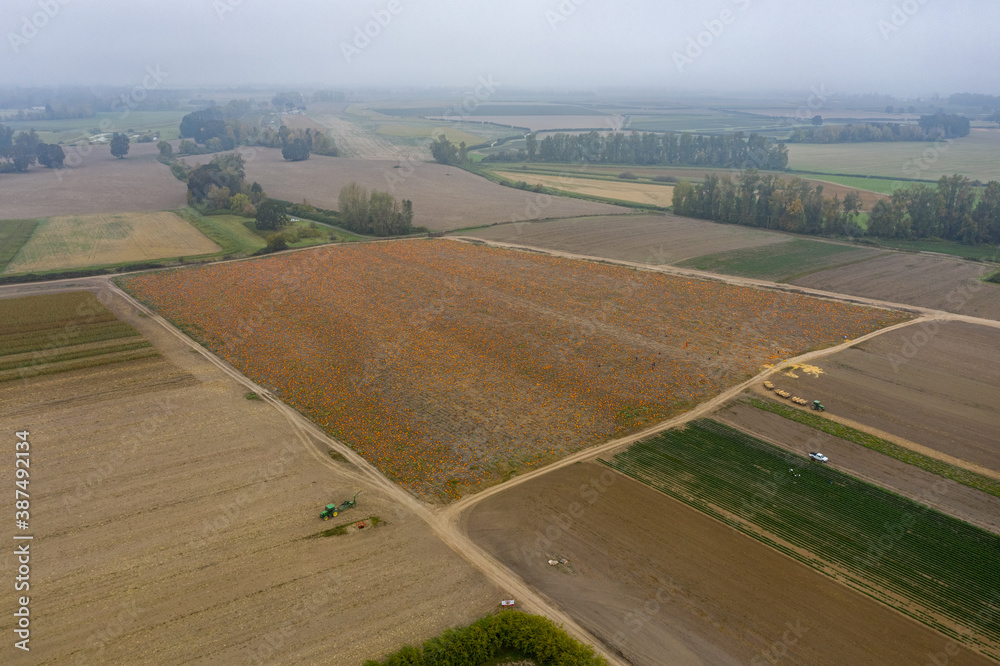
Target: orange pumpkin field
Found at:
x=451, y=365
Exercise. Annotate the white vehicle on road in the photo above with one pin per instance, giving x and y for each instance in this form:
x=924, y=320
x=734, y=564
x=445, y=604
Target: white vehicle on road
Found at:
x=819, y=457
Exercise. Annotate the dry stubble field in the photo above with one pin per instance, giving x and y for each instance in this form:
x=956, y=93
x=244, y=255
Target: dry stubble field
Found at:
x=443, y=197
x=100, y=184
x=93, y=240
x=644, y=193
x=654, y=239
x=451, y=365
x=170, y=517
x=660, y=582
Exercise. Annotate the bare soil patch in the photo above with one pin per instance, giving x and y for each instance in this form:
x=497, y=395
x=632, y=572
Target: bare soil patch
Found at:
x=644, y=193
x=945, y=495
x=655, y=239
x=94, y=240
x=941, y=283
x=662, y=583
x=170, y=514
x=444, y=198
x=100, y=184
x=935, y=384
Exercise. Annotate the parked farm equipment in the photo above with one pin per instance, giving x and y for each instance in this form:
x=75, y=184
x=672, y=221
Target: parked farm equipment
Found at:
x=332, y=510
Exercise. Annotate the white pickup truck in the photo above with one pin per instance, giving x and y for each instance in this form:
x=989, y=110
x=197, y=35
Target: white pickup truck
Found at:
x=819, y=457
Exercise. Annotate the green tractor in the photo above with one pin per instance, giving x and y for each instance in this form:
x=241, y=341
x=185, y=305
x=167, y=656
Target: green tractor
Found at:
x=332, y=509
x=818, y=406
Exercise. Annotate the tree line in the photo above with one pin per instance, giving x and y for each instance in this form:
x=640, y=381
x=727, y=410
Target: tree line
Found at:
x=929, y=128
x=18, y=152
x=949, y=210
x=734, y=151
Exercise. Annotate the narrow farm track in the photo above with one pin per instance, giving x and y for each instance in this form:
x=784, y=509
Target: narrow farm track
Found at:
x=446, y=521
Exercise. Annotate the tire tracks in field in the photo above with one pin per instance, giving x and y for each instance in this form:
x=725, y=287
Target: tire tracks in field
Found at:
x=446, y=521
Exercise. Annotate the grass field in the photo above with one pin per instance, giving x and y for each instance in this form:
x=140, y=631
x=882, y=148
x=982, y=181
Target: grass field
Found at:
x=973, y=156
x=13, y=235
x=781, y=261
x=880, y=185
x=450, y=365
x=430, y=131
x=44, y=335
x=925, y=564
x=102, y=240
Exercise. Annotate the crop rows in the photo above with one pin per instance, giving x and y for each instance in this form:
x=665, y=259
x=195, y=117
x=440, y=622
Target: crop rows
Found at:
x=930, y=566
x=44, y=335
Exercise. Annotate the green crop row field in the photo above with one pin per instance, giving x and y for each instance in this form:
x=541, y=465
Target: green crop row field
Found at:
x=13, y=235
x=42, y=335
x=781, y=261
x=932, y=567
x=901, y=453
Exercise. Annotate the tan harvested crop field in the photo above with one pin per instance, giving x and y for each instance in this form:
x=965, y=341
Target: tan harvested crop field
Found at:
x=644, y=193
x=170, y=517
x=937, y=282
x=95, y=240
x=100, y=184
x=444, y=198
x=654, y=239
x=934, y=384
x=662, y=583
x=945, y=495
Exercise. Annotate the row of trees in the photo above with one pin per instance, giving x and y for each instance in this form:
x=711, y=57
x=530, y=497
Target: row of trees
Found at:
x=35, y=104
x=930, y=128
x=735, y=150
x=949, y=210
x=19, y=151
x=375, y=214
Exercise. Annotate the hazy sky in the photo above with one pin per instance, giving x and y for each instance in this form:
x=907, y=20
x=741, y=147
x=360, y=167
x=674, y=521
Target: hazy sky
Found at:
x=910, y=47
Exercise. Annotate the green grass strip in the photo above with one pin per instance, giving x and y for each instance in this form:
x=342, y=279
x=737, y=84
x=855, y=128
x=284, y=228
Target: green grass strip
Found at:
x=901, y=453
x=79, y=364
x=13, y=235
x=72, y=355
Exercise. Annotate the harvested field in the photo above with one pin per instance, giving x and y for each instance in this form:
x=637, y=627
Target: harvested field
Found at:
x=943, y=394
x=663, y=583
x=451, y=366
x=931, y=570
x=100, y=184
x=781, y=262
x=170, y=519
x=945, y=495
x=644, y=193
x=96, y=240
x=542, y=123
x=941, y=283
x=652, y=239
x=443, y=197
x=352, y=139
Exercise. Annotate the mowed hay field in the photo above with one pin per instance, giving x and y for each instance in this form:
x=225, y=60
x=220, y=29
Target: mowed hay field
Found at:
x=662, y=583
x=937, y=282
x=654, y=239
x=644, y=193
x=95, y=240
x=444, y=198
x=170, y=518
x=100, y=184
x=451, y=366
x=934, y=384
